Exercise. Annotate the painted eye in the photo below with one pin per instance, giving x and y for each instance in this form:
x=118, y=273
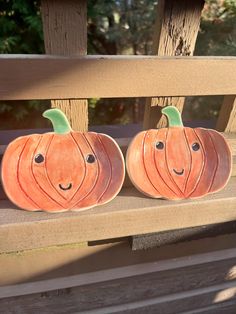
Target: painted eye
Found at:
x=90, y=158
x=39, y=158
x=159, y=145
x=195, y=146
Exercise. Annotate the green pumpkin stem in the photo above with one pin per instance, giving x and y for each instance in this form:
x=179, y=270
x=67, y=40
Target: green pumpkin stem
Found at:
x=173, y=116
x=59, y=121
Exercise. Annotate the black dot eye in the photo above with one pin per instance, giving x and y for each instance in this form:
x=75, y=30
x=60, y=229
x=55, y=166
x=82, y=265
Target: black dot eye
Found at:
x=90, y=158
x=39, y=158
x=195, y=146
x=159, y=145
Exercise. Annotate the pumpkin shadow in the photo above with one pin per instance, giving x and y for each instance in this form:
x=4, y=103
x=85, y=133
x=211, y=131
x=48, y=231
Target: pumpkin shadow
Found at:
x=133, y=192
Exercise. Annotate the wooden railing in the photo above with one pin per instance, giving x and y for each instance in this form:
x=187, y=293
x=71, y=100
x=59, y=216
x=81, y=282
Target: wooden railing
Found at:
x=50, y=77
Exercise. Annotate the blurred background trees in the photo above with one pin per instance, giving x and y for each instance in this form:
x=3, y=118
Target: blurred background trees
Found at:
x=21, y=32
x=114, y=27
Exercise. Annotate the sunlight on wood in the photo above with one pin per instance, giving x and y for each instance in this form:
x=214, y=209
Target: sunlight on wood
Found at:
x=225, y=295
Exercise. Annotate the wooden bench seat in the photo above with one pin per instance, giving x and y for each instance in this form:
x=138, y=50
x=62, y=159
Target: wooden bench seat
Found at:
x=128, y=214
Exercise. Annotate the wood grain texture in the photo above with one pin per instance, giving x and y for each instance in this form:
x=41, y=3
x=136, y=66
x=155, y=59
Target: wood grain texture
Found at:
x=225, y=308
x=65, y=33
x=227, y=117
x=72, y=260
x=128, y=214
x=175, y=34
x=183, y=288
x=183, y=303
x=55, y=77
x=65, y=178
x=70, y=301
x=219, y=264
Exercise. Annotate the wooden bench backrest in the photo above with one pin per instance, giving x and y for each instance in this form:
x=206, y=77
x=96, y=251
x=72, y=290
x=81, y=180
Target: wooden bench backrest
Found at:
x=68, y=81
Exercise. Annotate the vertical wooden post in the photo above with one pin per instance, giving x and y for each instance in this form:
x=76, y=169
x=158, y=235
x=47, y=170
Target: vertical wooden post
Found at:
x=65, y=33
x=175, y=34
x=227, y=117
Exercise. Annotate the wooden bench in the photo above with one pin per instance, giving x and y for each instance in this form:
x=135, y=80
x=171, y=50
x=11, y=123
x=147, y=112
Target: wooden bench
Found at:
x=82, y=262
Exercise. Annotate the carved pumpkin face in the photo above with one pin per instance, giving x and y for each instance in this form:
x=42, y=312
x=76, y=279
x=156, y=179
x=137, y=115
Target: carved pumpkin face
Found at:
x=63, y=170
x=178, y=162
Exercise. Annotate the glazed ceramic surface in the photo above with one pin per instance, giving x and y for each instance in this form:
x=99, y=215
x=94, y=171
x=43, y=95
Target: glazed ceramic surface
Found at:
x=178, y=162
x=63, y=170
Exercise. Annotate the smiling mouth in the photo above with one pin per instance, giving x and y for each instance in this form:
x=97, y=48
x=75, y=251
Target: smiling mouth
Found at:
x=179, y=173
x=65, y=188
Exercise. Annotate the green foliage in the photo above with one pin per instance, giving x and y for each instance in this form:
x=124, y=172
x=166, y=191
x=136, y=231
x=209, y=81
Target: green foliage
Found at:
x=120, y=27
x=21, y=32
x=115, y=110
x=22, y=114
x=217, y=37
x=20, y=27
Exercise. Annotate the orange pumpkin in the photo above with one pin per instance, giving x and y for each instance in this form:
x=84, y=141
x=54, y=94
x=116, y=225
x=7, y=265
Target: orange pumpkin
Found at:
x=178, y=162
x=62, y=170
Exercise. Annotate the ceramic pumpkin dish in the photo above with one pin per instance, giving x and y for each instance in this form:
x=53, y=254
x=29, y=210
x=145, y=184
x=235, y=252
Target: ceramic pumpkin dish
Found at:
x=62, y=170
x=178, y=162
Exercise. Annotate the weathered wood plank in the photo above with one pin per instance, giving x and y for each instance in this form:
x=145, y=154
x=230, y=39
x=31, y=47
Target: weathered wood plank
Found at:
x=76, y=259
x=227, y=116
x=175, y=33
x=219, y=265
x=178, y=303
x=48, y=77
x=128, y=214
x=128, y=296
x=65, y=33
x=72, y=260
x=66, y=300
x=223, y=308
x=65, y=26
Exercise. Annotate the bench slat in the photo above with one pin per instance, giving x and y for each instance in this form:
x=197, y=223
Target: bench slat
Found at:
x=128, y=214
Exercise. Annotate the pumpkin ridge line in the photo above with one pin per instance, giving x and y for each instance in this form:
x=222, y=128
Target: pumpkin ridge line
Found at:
x=18, y=176
x=169, y=173
x=191, y=160
x=110, y=178
x=215, y=169
x=203, y=167
x=144, y=166
x=85, y=172
x=39, y=186
x=95, y=182
x=161, y=175
x=213, y=177
x=99, y=170
x=47, y=175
